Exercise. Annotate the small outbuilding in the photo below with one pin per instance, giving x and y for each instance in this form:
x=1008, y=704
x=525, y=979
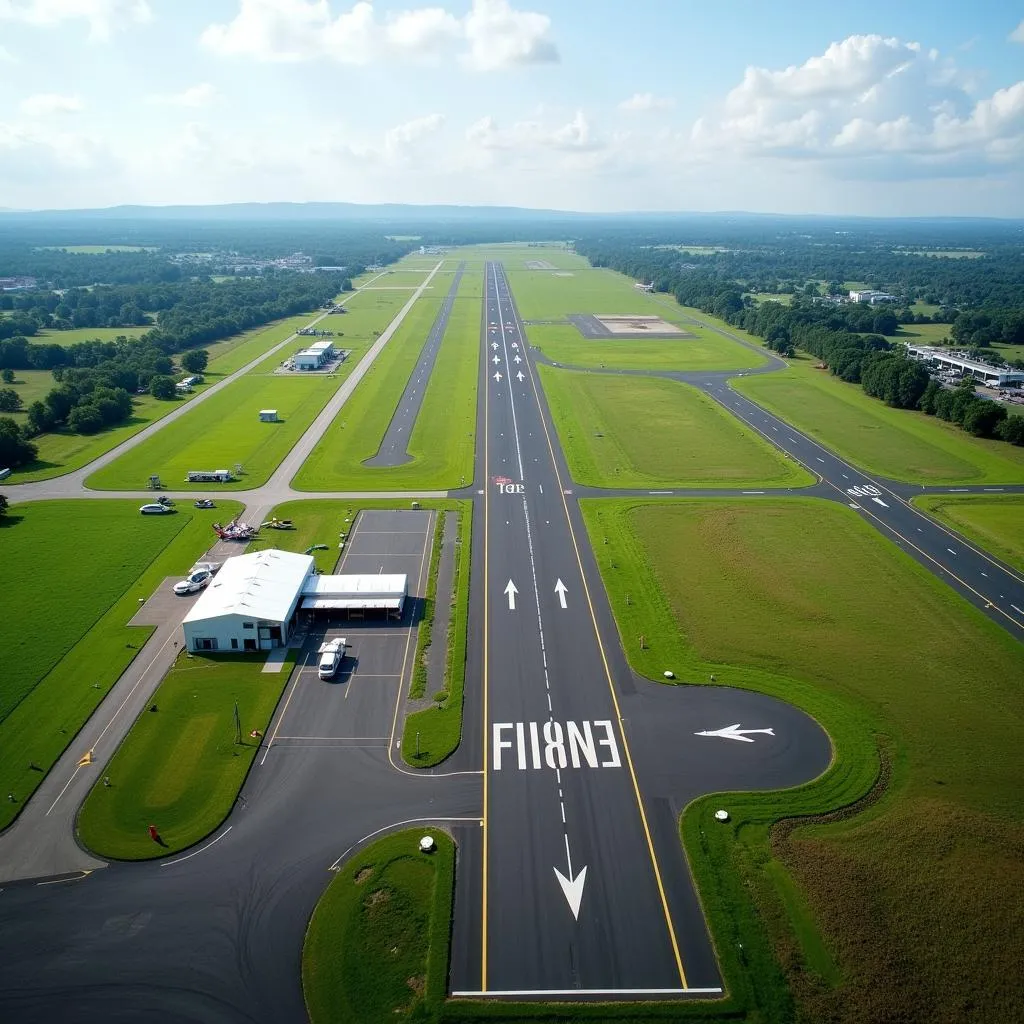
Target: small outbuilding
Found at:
x=268, y=416
x=308, y=359
x=357, y=594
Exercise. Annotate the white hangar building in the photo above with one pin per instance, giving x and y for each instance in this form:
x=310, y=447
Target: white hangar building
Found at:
x=253, y=603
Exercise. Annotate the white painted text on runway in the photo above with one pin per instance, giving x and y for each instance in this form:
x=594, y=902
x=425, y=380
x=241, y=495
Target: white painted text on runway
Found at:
x=527, y=745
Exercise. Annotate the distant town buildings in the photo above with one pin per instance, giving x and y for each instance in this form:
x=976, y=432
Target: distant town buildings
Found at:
x=16, y=284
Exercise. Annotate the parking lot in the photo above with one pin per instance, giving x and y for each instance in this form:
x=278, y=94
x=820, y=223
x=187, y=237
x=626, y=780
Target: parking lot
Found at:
x=357, y=708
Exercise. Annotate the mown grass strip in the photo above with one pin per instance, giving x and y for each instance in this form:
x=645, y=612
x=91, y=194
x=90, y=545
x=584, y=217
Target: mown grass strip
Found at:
x=65, y=646
x=995, y=523
x=179, y=768
x=628, y=431
x=377, y=947
x=418, y=684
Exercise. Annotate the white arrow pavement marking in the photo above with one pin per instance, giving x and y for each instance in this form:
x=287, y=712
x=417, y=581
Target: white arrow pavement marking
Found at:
x=497, y=376
x=511, y=590
x=520, y=376
x=734, y=732
x=518, y=360
x=878, y=501
x=572, y=887
x=560, y=589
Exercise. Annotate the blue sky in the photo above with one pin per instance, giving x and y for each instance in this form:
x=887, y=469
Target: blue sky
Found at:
x=876, y=108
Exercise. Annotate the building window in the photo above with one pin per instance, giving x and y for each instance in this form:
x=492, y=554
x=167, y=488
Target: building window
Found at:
x=206, y=643
x=248, y=625
x=234, y=643
x=250, y=645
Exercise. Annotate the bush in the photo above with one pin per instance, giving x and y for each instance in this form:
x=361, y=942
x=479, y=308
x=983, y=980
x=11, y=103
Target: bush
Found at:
x=10, y=400
x=162, y=387
x=15, y=450
x=195, y=361
x=85, y=419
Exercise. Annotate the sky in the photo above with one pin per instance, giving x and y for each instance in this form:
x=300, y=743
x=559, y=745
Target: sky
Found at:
x=876, y=108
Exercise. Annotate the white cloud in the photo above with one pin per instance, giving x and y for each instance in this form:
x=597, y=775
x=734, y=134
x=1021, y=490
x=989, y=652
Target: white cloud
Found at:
x=886, y=104
x=47, y=103
x=525, y=136
x=102, y=16
x=1017, y=35
x=201, y=95
x=491, y=35
x=6, y=57
x=642, y=102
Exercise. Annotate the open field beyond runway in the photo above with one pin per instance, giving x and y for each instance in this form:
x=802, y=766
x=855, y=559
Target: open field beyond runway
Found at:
x=896, y=443
x=642, y=431
x=62, y=638
x=708, y=582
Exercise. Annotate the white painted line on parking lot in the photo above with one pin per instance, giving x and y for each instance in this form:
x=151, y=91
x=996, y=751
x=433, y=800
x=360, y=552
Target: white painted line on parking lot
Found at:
x=168, y=863
x=951, y=551
x=1016, y=609
x=284, y=710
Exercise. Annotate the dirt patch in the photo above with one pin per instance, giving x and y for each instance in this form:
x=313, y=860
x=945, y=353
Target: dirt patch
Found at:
x=362, y=875
x=377, y=897
x=418, y=983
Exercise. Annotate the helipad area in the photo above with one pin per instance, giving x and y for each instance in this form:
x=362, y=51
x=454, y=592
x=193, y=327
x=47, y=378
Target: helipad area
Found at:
x=254, y=601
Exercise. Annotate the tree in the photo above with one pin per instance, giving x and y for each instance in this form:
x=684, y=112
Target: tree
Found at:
x=10, y=400
x=162, y=387
x=7, y=375
x=983, y=417
x=39, y=420
x=85, y=419
x=1011, y=430
x=3, y=505
x=195, y=361
x=14, y=449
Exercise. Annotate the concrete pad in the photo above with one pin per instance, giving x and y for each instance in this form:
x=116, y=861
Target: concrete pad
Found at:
x=275, y=660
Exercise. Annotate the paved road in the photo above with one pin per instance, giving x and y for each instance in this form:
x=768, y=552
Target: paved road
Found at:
x=580, y=888
x=394, y=448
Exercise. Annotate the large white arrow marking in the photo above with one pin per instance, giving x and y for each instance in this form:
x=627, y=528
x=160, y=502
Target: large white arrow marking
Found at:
x=572, y=887
x=496, y=360
x=518, y=360
x=497, y=376
x=560, y=589
x=511, y=590
x=520, y=377
x=878, y=501
x=734, y=732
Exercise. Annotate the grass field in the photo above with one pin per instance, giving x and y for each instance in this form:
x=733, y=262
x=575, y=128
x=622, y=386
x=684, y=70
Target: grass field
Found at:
x=399, y=277
x=319, y=521
x=225, y=430
x=179, y=768
x=922, y=334
x=648, y=431
x=706, y=351
x=994, y=522
x=895, y=443
x=79, y=334
x=891, y=903
x=378, y=942
x=442, y=439
x=54, y=649
x=785, y=298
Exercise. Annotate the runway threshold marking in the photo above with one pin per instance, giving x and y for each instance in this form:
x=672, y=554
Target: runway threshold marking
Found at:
x=608, y=674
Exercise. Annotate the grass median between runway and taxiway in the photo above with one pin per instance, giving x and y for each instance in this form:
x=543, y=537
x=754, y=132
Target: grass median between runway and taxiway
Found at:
x=801, y=599
x=319, y=521
x=75, y=572
x=441, y=441
x=377, y=946
x=180, y=767
x=900, y=444
x=628, y=431
x=994, y=522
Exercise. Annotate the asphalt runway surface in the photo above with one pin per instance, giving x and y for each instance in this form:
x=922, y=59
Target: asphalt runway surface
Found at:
x=581, y=888
x=393, y=449
x=592, y=329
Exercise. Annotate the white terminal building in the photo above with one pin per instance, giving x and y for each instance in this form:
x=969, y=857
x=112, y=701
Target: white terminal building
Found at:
x=254, y=602
x=943, y=359
x=870, y=296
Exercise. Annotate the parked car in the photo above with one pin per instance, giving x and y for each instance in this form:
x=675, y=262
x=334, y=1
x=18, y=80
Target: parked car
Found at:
x=154, y=508
x=193, y=582
x=331, y=654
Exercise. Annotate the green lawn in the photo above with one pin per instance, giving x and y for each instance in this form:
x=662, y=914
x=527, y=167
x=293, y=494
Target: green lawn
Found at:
x=224, y=430
x=32, y=386
x=922, y=334
x=895, y=443
x=705, y=351
x=55, y=649
x=892, y=903
x=377, y=947
x=80, y=334
x=442, y=439
x=994, y=522
x=319, y=521
x=179, y=767
x=651, y=432
x=399, y=277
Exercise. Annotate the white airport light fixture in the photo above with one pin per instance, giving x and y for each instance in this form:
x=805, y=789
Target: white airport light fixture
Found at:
x=669, y=674
x=721, y=815
x=427, y=844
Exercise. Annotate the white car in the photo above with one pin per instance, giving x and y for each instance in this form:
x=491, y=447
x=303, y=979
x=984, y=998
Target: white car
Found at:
x=193, y=582
x=331, y=654
x=154, y=508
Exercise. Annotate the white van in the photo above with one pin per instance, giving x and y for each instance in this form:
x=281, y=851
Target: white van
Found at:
x=331, y=654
